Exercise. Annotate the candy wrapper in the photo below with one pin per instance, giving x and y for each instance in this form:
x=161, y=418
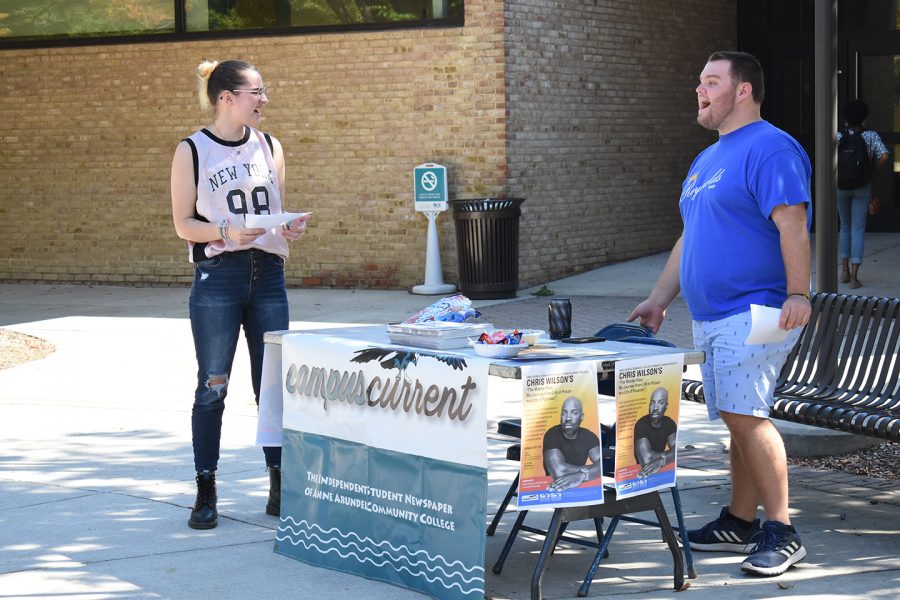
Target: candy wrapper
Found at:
x=453, y=309
x=500, y=337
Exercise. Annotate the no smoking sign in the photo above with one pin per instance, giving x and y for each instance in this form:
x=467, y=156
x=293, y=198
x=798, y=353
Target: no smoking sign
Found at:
x=430, y=187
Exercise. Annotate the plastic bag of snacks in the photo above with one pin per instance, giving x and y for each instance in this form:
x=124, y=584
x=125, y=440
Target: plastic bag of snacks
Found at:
x=454, y=309
x=501, y=337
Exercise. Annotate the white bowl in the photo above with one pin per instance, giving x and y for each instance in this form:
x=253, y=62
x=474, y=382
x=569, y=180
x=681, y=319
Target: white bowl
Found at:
x=498, y=350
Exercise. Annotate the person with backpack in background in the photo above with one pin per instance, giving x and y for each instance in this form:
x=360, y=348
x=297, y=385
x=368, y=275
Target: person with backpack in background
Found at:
x=858, y=149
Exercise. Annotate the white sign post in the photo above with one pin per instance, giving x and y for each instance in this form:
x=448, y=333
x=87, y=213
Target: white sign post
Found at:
x=431, y=198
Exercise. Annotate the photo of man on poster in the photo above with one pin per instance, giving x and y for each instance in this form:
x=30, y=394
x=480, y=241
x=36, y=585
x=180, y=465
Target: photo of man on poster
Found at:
x=655, y=435
x=567, y=448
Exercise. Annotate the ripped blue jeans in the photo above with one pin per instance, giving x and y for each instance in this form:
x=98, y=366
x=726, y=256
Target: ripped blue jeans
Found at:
x=231, y=290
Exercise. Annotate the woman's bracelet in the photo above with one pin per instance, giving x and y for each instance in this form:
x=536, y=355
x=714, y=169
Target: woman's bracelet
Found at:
x=804, y=294
x=223, y=231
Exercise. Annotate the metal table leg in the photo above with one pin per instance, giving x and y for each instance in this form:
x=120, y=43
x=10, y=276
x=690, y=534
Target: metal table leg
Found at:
x=612, y=507
x=549, y=544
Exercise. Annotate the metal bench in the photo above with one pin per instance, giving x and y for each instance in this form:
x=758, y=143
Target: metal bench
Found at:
x=844, y=372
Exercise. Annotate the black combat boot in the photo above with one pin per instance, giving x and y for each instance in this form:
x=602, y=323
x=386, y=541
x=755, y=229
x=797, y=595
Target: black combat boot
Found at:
x=204, y=515
x=273, y=506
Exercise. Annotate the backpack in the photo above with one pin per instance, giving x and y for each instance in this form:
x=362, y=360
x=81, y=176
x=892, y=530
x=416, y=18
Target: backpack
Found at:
x=854, y=165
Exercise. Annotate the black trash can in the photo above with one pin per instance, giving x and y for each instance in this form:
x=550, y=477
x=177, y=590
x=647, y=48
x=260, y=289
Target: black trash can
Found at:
x=487, y=246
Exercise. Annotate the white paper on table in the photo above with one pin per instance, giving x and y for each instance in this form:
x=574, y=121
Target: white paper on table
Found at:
x=270, y=221
x=764, y=327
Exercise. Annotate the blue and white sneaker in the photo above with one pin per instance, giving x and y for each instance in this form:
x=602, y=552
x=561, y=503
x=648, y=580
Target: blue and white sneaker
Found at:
x=725, y=535
x=779, y=547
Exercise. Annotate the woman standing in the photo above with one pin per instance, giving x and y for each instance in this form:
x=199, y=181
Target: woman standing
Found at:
x=220, y=174
x=854, y=195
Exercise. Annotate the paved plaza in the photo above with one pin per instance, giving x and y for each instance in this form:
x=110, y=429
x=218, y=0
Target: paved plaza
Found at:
x=96, y=476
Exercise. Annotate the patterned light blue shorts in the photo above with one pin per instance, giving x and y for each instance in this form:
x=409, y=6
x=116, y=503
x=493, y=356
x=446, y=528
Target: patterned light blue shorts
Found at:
x=738, y=378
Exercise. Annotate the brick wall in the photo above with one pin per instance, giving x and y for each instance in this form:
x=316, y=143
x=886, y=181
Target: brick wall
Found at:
x=601, y=124
x=88, y=135
x=592, y=111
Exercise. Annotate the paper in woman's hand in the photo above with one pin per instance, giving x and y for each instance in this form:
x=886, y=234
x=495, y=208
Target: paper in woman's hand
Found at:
x=270, y=221
x=764, y=327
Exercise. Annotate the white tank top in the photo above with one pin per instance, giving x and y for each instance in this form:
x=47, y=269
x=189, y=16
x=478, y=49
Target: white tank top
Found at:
x=235, y=179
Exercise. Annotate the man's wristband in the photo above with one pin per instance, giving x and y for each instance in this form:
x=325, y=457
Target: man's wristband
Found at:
x=804, y=294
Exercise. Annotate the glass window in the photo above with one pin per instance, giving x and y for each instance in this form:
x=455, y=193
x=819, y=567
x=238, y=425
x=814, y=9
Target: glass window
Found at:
x=211, y=15
x=35, y=19
x=879, y=86
x=798, y=16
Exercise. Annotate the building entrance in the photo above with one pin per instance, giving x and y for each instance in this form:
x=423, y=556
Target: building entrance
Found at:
x=780, y=34
x=873, y=74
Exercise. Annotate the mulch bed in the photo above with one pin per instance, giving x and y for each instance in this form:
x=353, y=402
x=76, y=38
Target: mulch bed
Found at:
x=879, y=461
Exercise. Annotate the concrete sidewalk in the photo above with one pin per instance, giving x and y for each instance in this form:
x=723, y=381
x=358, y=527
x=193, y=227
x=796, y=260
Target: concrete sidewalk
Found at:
x=96, y=468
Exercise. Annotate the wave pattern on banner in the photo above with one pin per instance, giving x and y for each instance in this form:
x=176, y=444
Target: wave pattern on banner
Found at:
x=343, y=540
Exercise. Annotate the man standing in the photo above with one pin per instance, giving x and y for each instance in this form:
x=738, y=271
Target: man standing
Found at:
x=746, y=208
x=568, y=446
x=655, y=435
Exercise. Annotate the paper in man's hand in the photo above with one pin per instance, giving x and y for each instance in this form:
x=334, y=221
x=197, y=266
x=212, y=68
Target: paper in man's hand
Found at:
x=764, y=327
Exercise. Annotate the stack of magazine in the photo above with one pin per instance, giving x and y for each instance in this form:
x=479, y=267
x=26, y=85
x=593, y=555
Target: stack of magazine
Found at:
x=438, y=335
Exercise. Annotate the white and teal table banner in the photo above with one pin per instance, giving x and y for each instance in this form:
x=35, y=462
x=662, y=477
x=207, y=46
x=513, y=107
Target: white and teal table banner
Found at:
x=384, y=467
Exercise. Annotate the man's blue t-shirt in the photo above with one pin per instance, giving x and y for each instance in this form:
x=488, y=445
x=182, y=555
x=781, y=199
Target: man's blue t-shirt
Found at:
x=731, y=251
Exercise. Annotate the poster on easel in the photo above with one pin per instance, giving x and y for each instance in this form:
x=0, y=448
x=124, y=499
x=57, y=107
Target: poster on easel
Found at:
x=648, y=391
x=562, y=460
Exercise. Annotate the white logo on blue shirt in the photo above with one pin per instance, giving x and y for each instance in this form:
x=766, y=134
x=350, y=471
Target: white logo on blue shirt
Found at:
x=691, y=189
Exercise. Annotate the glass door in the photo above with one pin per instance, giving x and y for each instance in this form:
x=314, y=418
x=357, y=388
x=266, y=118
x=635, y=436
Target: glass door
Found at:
x=873, y=69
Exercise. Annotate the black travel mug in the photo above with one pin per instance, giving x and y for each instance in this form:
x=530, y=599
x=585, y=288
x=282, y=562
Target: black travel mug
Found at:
x=560, y=310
